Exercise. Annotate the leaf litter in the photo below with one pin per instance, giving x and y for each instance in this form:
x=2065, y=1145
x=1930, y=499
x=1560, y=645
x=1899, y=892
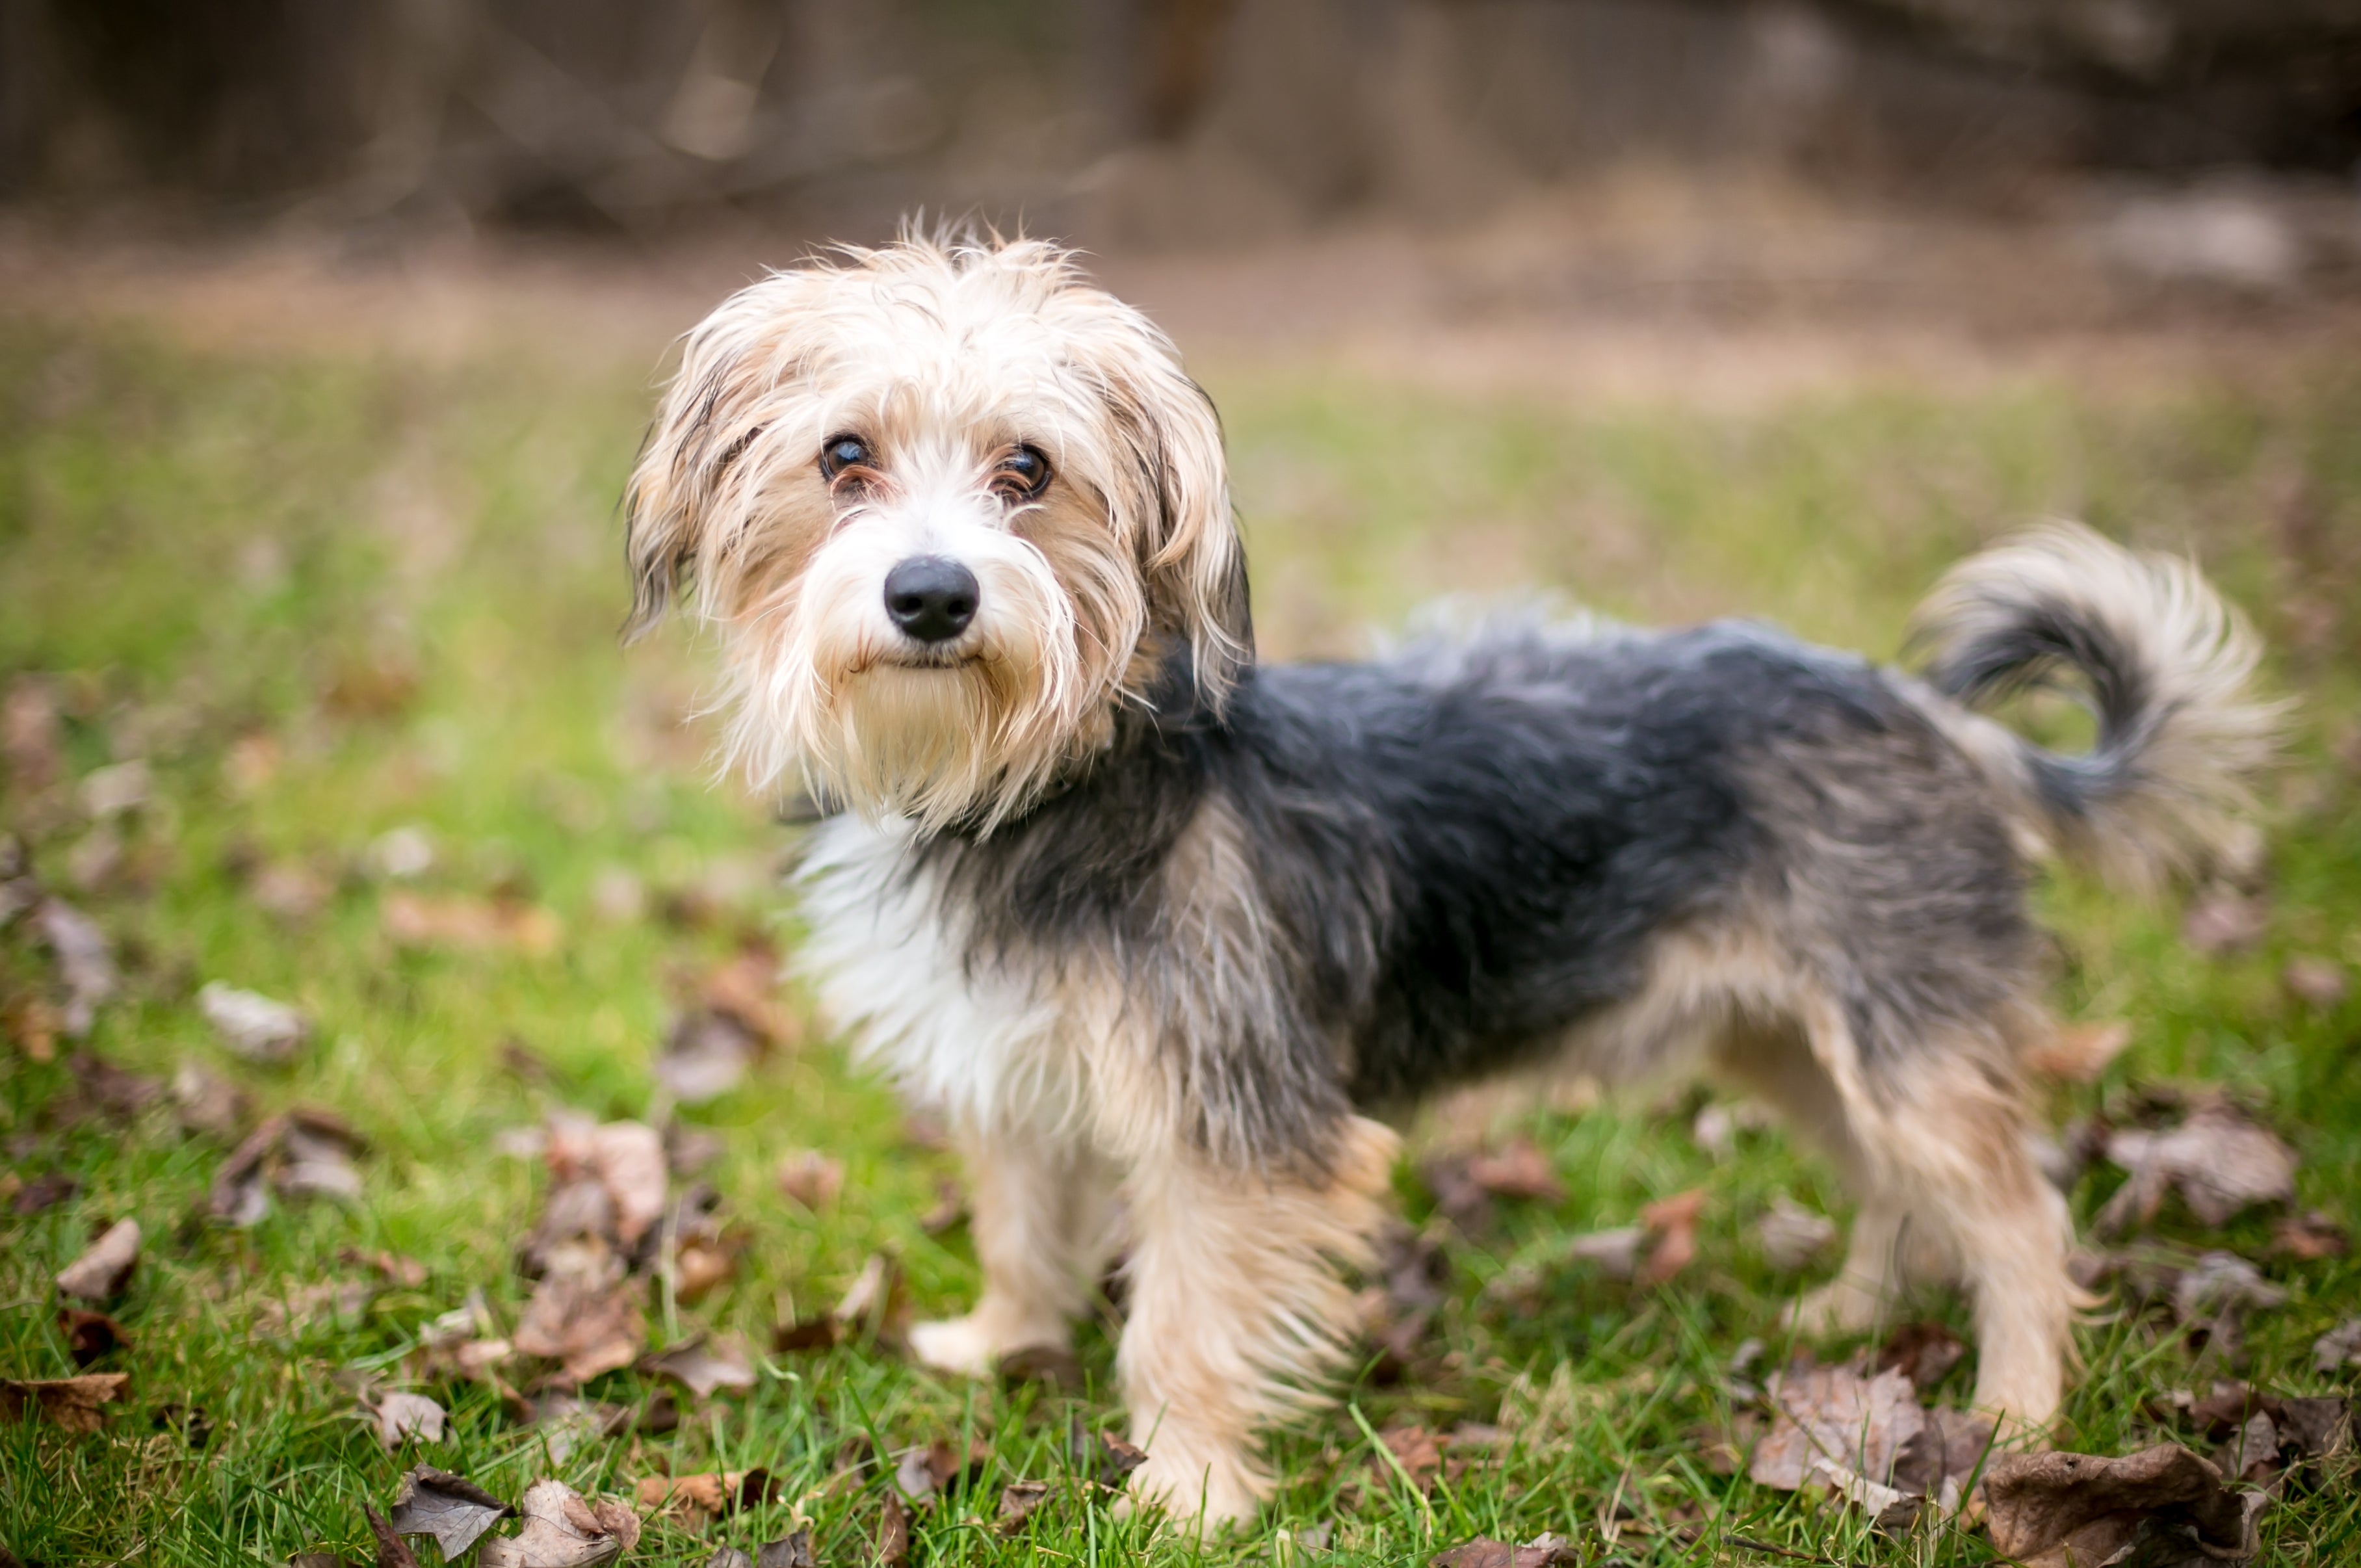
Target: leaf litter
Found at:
x=452, y=1509
x=253, y=1026
x=2163, y=1505
x=2220, y=1159
x=562, y=1530
x=70, y=1404
x=100, y=1273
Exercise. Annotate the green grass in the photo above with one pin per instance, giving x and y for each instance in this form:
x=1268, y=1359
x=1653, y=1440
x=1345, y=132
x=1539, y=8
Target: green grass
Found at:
x=204, y=549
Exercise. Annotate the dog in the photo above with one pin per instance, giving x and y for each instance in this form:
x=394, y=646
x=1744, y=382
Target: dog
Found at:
x=1172, y=941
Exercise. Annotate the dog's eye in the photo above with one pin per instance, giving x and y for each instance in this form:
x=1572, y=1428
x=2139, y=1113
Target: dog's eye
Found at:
x=838, y=453
x=1022, y=475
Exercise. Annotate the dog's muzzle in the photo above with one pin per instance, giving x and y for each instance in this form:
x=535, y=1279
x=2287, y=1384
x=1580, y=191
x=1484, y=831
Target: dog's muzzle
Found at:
x=931, y=597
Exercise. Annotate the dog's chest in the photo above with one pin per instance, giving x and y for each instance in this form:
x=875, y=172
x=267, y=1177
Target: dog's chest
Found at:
x=974, y=1046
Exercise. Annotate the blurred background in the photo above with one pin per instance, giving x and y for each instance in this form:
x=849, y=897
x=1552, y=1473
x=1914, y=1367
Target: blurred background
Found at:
x=328, y=333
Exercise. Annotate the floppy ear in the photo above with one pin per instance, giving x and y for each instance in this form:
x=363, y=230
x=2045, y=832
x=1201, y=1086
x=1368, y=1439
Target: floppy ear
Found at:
x=1190, y=558
x=688, y=498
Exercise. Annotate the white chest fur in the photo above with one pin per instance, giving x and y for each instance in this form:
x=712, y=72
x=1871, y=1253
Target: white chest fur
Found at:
x=886, y=958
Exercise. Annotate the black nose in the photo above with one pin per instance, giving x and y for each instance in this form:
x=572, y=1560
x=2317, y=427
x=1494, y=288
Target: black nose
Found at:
x=932, y=598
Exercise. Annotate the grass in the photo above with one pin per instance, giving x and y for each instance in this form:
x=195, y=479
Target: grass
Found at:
x=328, y=596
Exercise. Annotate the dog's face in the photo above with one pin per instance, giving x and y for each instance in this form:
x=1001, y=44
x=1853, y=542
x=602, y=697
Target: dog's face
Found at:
x=949, y=505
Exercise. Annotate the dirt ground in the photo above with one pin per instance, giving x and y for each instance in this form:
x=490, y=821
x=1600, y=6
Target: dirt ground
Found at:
x=1722, y=294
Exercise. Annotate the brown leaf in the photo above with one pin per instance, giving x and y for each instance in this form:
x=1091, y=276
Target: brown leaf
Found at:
x=1543, y=1551
x=744, y=989
x=44, y=1191
x=939, y=1467
x=702, y=1265
x=701, y=1366
x=406, y=1272
x=1107, y=1457
x=1019, y=1501
x=2221, y=1161
x=469, y=925
x=699, y=1499
x=32, y=734
x=2315, y=981
x=120, y=1093
x=207, y=1103
x=392, y=1551
x=1947, y=1450
x=2338, y=1348
x=1832, y=1414
x=872, y=1303
x=253, y=1026
x=2222, y=921
x=1924, y=1353
x=561, y=1531
x=91, y=1336
x=951, y=1207
x=627, y=1157
x=450, y=1508
x=2079, y=1053
x=69, y=1403
x=300, y=1560
x=1673, y=1221
x=2310, y=1237
x=1791, y=1235
x=893, y=1533
x=811, y=1179
x=1520, y=1171
x=85, y=961
x=818, y=1332
x=100, y=1273
x=1415, y=1449
x=401, y=1417
x=589, y=1319
x=2055, y=1509
x=704, y=1056
x=795, y=1551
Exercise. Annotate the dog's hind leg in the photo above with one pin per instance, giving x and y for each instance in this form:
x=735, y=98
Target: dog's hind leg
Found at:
x=1042, y=1226
x=1940, y=1134
x=1237, y=1310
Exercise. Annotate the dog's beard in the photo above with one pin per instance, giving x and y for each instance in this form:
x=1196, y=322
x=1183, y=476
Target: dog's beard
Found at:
x=966, y=735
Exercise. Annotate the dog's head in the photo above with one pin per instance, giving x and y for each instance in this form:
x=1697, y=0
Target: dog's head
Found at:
x=949, y=506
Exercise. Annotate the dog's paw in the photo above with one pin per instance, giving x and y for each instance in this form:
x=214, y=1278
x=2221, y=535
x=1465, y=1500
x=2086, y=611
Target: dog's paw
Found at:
x=1839, y=1307
x=956, y=1345
x=1195, y=1491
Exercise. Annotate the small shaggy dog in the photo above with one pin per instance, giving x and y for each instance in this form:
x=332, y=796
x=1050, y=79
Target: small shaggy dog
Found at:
x=1164, y=933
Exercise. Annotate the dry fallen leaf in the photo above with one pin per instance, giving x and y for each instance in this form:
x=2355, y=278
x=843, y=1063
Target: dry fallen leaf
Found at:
x=392, y=1551
x=401, y=1415
x=702, y=1366
x=469, y=925
x=91, y=1336
x=207, y=1103
x=406, y=1272
x=2318, y=982
x=811, y=1179
x=745, y=988
x=1107, y=1458
x=1414, y=1449
x=450, y=1508
x=795, y=1551
x=938, y=1466
x=1672, y=1222
x=44, y=1192
x=253, y=1026
x=1019, y=1501
x=2222, y=921
x=705, y=1055
x=698, y=1500
x=69, y=1403
x=120, y=1094
x=1924, y=1353
x=561, y=1531
x=2053, y=1510
x=85, y=961
x=2079, y=1053
x=1520, y=1171
x=893, y=1533
x=1791, y=1235
x=817, y=1333
x=2310, y=1237
x=2338, y=1348
x=872, y=1303
x=2221, y=1161
x=590, y=1320
x=1833, y=1414
x=100, y=1273
x=1543, y=1551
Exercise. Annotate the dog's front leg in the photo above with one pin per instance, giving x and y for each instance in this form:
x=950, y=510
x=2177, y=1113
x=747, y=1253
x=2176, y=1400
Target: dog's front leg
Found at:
x=1040, y=1207
x=1237, y=1312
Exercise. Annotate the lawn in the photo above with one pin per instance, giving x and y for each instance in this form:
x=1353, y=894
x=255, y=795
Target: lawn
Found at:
x=356, y=614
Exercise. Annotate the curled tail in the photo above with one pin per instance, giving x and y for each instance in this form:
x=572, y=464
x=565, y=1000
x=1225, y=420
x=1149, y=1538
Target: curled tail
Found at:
x=2164, y=665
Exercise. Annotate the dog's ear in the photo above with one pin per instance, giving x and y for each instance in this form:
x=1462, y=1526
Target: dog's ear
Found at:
x=1190, y=559
x=690, y=496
